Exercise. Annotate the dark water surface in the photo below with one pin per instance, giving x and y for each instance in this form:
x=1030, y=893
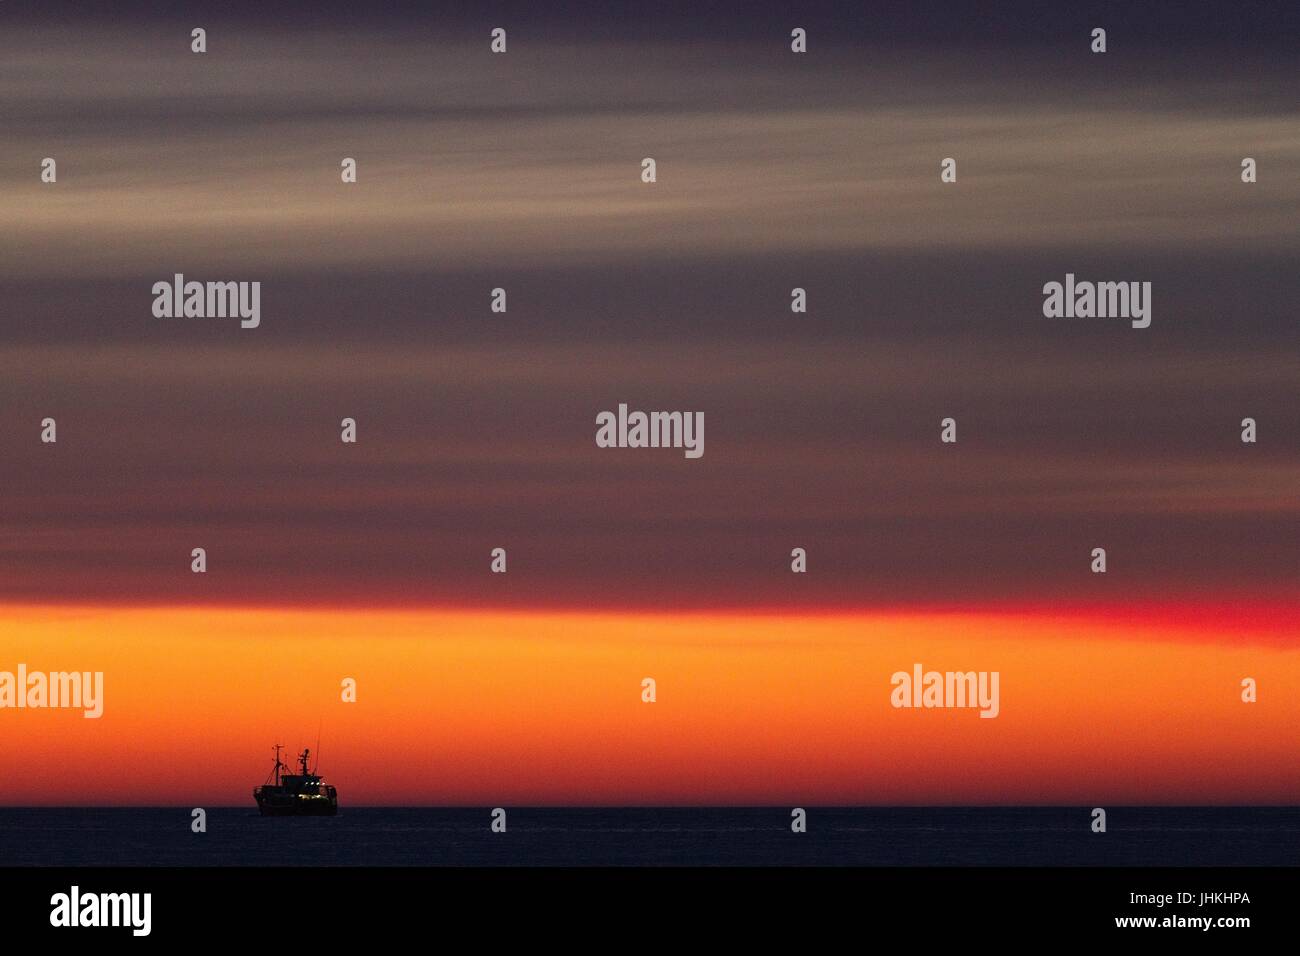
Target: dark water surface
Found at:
x=745, y=836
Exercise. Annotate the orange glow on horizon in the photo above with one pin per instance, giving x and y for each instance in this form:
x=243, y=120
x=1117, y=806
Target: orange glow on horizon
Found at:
x=542, y=707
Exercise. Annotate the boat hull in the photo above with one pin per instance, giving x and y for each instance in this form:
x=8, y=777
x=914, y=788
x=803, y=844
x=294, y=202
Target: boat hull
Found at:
x=276, y=802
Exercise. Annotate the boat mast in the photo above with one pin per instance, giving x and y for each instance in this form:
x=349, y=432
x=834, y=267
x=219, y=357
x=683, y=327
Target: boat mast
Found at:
x=278, y=764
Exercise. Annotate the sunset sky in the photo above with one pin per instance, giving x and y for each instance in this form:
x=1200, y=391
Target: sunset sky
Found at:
x=476, y=430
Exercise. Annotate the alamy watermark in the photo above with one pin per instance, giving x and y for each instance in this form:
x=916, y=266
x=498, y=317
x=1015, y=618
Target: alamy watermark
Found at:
x=922, y=688
x=76, y=908
x=63, y=689
x=651, y=430
x=208, y=300
x=1102, y=300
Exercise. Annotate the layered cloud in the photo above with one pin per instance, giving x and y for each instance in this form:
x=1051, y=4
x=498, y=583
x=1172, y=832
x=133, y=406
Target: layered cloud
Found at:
x=522, y=172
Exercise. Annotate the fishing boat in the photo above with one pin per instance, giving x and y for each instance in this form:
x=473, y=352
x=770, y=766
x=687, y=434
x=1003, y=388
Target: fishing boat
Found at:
x=295, y=794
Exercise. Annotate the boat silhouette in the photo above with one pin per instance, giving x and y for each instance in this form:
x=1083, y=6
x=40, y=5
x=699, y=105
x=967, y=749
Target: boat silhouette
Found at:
x=295, y=795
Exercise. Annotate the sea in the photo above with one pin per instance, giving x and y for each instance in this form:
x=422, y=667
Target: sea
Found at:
x=647, y=836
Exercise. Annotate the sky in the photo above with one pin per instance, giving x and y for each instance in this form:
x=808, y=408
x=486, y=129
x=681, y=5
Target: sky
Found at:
x=476, y=429
x=522, y=708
